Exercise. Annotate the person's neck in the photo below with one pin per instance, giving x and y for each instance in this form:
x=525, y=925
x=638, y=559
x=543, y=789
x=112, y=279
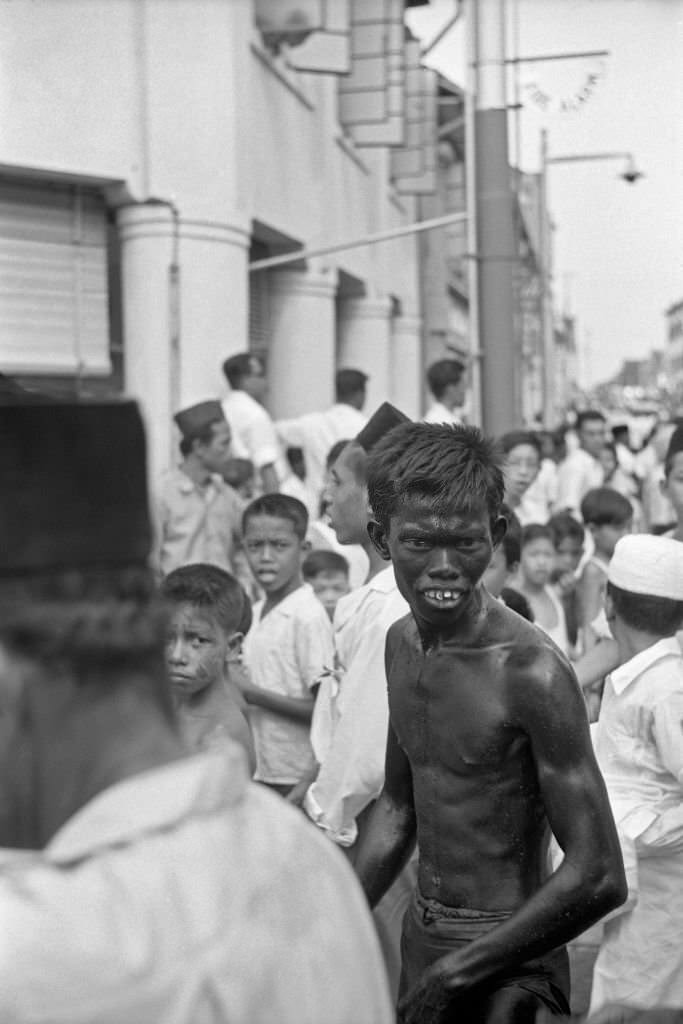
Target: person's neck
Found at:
x=277, y=596
x=377, y=563
x=201, y=700
x=466, y=628
x=193, y=468
x=102, y=742
x=633, y=641
x=532, y=589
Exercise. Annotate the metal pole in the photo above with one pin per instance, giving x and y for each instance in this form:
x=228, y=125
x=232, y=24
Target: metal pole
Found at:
x=546, y=289
x=495, y=223
x=355, y=243
x=471, y=202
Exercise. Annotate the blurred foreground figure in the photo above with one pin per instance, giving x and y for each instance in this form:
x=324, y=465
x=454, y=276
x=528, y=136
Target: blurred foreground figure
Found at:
x=138, y=883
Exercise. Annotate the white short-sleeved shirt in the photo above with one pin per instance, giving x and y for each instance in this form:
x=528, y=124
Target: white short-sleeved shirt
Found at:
x=253, y=431
x=351, y=717
x=183, y=895
x=286, y=652
x=576, y=475
x=639, y=746
x=439, y=413
x=196, y=524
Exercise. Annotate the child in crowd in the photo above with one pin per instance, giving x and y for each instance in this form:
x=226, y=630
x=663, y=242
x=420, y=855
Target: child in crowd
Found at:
x=522, y=463
x=328, y=574
x=607, y=515
x=568, y=537
x=639, y=747
x=504, y=566
x=208, y=611
x=289, y=644
x=535, y=570
x=672, y=485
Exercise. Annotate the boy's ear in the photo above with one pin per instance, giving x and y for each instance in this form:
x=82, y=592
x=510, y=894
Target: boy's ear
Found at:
x=378, y=536
x=234, y=652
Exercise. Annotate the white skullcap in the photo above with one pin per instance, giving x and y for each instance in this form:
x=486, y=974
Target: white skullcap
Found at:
x=644, y=564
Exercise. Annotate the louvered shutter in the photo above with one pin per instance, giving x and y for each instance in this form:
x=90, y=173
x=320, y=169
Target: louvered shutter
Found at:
x=53, y=280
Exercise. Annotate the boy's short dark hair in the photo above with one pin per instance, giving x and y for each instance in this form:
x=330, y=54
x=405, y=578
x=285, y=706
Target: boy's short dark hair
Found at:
x=660, y=615
x=587, y=415
x=515, y=438
x=210, y=588
x=237, y=472
x=279, y=506
x=236, y=368
x=563, y=525
x=322, y=560
x=442, y=373
x=603, y=506
x=512, y=541
x=536, y=531
x=453, y=466
x=348, y=383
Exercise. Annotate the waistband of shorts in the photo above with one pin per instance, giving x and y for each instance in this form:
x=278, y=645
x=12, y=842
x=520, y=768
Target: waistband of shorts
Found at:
x=431, y=909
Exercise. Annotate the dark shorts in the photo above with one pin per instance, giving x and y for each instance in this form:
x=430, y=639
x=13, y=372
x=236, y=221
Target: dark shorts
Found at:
x=431, y=930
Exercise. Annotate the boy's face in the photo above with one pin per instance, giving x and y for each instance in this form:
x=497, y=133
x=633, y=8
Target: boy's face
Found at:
x=496, y=574
x=438, y=560
x=347, y=502
x=607, y=535
x=197, y=649
x=568, y=554
x=521, y=469
x=329, y=586
x=672, y=486
x=274, y=553
x=538, y=558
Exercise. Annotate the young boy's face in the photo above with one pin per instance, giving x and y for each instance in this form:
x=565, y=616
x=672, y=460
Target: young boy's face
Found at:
x=197, y=648
x=274, y=553
x=496, y=575
x=329, y=586
x=607, y=535
x=568, y=555
x=538, y=558
x=438, y=560
x=672, y=487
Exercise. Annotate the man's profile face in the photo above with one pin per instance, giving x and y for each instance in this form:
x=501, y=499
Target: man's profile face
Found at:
x=347, y=501
x=592, y=436
x=439, y=560
x=216, y=452
x=254, y=381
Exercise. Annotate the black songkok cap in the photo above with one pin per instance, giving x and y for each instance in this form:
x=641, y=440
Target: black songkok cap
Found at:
x=194, y=420
x=73, y=486
x=380, y=423
x=675, y=443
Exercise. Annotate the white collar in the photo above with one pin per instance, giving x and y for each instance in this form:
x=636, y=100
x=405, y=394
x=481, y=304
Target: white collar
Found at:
x=627, y=673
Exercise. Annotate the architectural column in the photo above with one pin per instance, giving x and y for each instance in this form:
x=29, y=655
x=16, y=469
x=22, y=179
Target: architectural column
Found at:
x=301, y=353
x=406, y=365
x=364, y=332
x=185, y=307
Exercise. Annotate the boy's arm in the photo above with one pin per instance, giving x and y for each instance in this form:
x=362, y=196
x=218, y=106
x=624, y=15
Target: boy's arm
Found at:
x=387, y=840
x=590, y=880
x=298, y=709
x=589, y=591
x=596, y=663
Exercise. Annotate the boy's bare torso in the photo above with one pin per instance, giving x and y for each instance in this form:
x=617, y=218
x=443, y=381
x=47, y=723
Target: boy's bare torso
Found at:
x=458, y=714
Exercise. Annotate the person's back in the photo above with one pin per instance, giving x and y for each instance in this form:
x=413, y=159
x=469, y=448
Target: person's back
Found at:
x=137, y=883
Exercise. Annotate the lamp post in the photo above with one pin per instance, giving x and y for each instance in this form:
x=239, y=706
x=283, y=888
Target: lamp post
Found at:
x=630, y=174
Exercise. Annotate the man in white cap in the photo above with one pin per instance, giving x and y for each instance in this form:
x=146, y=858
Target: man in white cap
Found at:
x=639, y=746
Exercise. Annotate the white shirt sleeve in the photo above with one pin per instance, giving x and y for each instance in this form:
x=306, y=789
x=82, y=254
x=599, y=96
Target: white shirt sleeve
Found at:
x=314, y=646
x=262, y=439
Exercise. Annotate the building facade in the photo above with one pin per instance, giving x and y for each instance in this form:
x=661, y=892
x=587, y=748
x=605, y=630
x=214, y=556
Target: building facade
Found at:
x=151, y=151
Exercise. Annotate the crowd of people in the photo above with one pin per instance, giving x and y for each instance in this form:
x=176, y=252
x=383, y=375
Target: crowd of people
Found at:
x=333, y=656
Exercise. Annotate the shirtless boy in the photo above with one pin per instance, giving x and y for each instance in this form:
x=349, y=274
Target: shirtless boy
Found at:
x=488, y=749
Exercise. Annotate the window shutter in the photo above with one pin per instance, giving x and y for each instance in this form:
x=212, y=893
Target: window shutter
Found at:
x=53, y=280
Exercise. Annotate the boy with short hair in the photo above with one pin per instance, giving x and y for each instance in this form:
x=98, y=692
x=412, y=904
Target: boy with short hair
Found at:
x=328, y=574
x=289, y=645
x=522, y=464
x=535, y=571
x=206, y=612
x=568, y=537
x=488, y=750
x=639, y=746
x=608, y=515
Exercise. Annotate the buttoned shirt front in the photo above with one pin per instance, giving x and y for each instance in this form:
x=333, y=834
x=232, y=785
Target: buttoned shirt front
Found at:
x=316, y=433
x=351, y=716
x=579, y=473
x=286, y=652
x=182, y=895
x=196, y=524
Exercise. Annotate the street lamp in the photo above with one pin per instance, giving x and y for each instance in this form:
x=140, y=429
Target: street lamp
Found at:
x=630, y=174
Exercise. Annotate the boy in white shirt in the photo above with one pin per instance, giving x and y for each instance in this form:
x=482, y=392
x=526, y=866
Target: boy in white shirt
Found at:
x=639, y=747
x=289, y=645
